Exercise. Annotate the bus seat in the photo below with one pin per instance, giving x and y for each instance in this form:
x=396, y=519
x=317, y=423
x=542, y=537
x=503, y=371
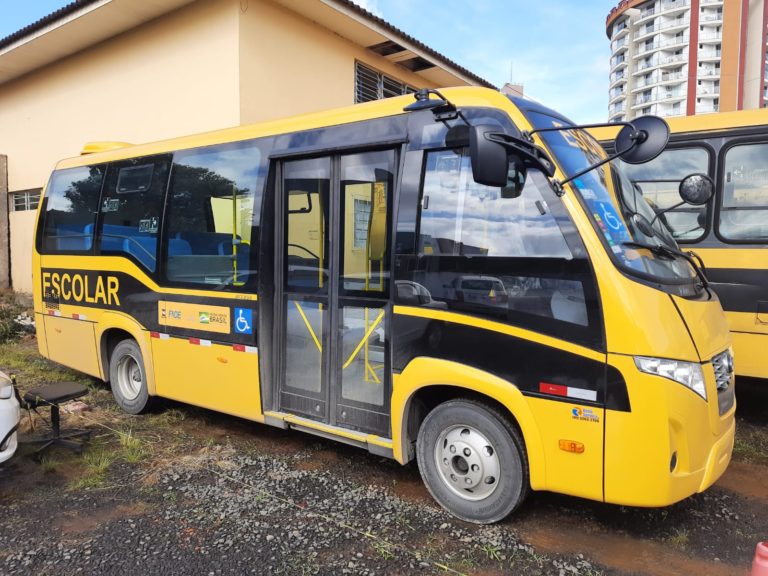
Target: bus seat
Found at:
x=569, y=306
x=143, y=248
x=178, y=247
x=74, y=238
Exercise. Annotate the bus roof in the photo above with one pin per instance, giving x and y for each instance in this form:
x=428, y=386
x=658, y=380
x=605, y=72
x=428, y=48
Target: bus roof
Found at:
x=699, y=123
x=461, y=96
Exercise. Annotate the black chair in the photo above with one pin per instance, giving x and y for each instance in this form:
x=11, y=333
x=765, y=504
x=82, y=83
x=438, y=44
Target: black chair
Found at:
x=54, y=395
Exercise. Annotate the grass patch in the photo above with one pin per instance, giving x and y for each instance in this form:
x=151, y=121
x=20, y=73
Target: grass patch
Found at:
x=679, y=539
x=9, y=310
x=48, y=464
x=132, y=449
x=96, y=463
x=751, y=444
x=491, y=552
x=383, y=549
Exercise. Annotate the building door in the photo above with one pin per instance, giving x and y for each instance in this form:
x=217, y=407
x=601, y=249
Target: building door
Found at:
x=332, y=291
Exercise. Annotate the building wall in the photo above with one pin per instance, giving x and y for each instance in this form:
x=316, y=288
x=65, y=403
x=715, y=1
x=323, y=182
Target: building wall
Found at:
x=710, y=59
x=157, y=81
x=290, y=65
x=21, y=226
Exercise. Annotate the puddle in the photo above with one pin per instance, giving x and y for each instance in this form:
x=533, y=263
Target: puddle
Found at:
x=745, y=479
x=623, y=552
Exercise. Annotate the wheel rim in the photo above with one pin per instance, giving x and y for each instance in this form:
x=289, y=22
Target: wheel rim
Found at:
x=467, y=462
x=129, y=378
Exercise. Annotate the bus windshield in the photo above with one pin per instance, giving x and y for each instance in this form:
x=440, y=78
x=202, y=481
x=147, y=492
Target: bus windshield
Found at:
x=638, y=241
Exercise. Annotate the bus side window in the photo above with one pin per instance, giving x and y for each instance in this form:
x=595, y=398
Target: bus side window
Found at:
x=744, y=204
x=506, y=259
x=211, y=206
x=659, y=182
x=131, y=209
x=71, y=206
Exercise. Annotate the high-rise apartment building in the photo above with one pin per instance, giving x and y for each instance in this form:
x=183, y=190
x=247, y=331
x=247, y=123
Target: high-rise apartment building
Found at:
x=685, y=57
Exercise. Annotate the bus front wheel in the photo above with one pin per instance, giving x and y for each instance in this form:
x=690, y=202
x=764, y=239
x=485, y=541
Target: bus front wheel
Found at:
x=128, y=378
x=473, y=461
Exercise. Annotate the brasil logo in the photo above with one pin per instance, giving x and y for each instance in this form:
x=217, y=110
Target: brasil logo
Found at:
x=203, y=318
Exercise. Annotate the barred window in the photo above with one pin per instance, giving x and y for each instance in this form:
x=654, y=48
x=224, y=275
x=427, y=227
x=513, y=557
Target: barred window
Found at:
x=372, y=85
x=25, y=200
x=362, y=219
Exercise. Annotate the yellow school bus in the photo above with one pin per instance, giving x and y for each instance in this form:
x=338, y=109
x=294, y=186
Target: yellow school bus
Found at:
x=446, y=278
x=729, y=233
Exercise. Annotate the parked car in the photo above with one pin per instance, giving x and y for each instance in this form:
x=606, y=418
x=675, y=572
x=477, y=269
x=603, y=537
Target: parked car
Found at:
x=9, y=418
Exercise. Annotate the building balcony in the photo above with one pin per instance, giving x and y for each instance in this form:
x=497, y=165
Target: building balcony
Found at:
x=640, y=100
x=672, y=77
x=710, y=109
x=621, y=44
x=709, y=38
x=645, y=14
x=644, y=49
x=707, y=55
x=620, y=79
x=672, y=95
x=708, y=72
x=661, y=27
x=711, y=18
x=708, y=2
x=620, y=30
x=707, y=92
x=674, y=6
x=618, y=65
x=673, y=60
x=642, y=83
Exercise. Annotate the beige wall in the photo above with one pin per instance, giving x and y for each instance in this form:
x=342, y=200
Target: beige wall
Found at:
x=291, y=65
x=173, y=76
x=22, y=225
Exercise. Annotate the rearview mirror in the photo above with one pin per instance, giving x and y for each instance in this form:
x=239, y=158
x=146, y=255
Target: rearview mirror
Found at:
x=516, y=175
x=642, y=140
x=696, y=189
x=489, y=158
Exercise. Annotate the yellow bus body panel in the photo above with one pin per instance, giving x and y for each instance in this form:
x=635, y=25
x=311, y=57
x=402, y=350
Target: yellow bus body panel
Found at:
x=666, y=418
x=215, y=377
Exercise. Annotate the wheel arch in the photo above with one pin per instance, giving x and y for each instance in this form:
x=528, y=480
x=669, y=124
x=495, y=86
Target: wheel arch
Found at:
x=113, y=328
x=427, y=382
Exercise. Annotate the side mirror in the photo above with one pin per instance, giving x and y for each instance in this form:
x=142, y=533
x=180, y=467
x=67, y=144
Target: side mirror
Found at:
x=696, y=189
x=515, y=181
x=643, y=139
x=489, y=158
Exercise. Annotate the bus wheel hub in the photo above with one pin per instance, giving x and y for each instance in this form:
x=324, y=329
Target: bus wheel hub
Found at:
x=467, y=462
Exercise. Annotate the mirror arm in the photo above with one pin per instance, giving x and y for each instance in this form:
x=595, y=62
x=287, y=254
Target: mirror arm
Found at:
x=558, y=184
x=530, y=151
x=665, y=210
x=529, y=135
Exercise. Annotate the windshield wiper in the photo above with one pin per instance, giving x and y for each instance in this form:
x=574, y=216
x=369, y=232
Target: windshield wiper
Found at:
x=671, y=253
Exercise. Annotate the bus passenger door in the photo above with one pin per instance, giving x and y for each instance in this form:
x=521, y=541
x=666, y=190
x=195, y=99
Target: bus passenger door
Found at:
x=333, y=293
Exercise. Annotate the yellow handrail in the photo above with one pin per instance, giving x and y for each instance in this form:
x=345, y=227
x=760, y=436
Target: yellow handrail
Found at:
x=364, y=340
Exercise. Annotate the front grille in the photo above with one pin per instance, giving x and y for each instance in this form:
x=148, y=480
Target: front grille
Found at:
x=723, y=365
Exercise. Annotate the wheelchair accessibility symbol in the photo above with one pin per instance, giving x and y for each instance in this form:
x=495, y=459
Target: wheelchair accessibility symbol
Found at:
x=610, y=217
x=243, y=321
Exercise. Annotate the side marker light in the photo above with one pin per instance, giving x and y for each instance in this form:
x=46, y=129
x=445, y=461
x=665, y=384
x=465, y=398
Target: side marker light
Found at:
x=572, y=446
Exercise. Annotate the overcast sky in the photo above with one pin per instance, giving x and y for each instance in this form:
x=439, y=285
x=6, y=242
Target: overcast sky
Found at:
x=556, y=48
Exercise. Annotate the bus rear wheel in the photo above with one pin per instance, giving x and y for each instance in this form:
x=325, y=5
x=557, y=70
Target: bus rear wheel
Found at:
x=473, y=461
x=128, y=378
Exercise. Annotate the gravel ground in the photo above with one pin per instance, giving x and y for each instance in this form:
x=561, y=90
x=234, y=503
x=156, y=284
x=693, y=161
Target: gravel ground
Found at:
x=187, y=491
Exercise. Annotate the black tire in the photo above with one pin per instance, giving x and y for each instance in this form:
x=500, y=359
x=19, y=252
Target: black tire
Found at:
x=126, y=366
x=450, y=424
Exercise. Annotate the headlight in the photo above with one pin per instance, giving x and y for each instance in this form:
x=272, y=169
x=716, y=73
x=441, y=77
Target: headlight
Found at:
x=688, y=374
